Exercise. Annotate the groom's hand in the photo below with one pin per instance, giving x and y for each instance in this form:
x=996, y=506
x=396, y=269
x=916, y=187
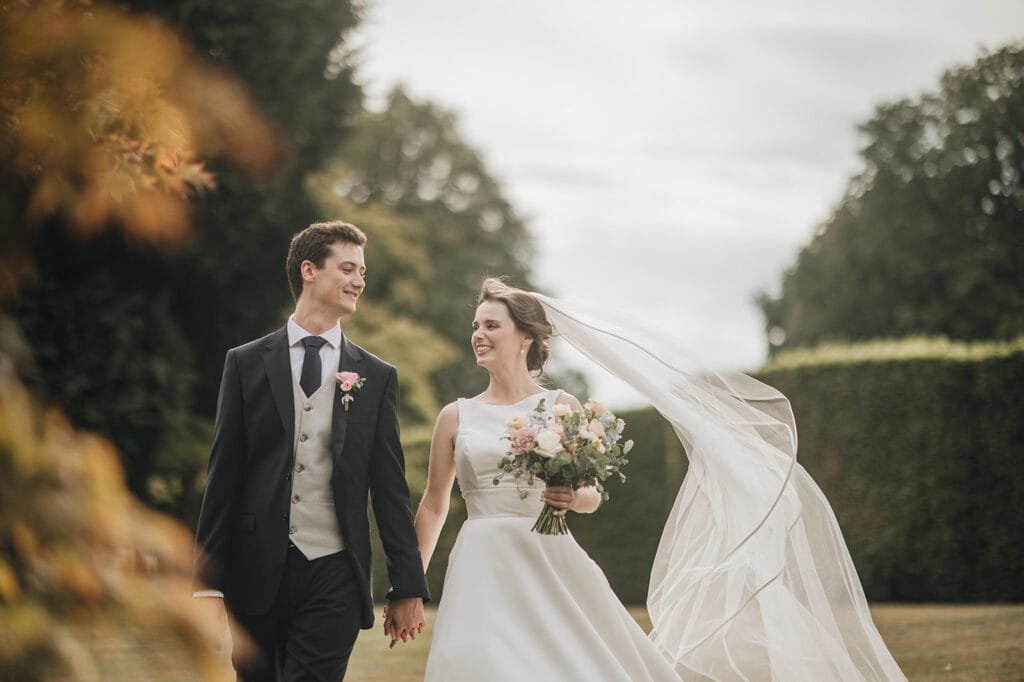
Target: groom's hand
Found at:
x=403, y=618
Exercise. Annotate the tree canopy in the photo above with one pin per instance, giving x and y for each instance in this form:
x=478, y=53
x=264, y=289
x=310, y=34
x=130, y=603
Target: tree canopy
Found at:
x=231, y=128
x=129, y=334
x=929, y=236
x=105, y=136
x=411, y=159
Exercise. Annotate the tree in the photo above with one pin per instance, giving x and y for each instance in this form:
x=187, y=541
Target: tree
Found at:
x=390, y=320
x=293, y=59
x=104, y=137
x=103, y=117
x=130, y=328
x=929, y=236
x=411, y=159
x=106, y=117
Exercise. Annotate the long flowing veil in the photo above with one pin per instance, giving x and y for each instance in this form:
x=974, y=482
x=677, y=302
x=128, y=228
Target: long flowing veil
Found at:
x=752, y=579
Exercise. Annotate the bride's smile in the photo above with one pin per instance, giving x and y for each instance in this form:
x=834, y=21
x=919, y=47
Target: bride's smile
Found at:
x=496, y=341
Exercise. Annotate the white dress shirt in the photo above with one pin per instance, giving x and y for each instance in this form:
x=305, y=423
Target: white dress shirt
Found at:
x=330, y=352
x=330, y=355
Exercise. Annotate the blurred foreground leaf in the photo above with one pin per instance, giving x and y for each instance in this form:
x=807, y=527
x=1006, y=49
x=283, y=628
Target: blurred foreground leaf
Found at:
x=77, y=550
x=105, y=119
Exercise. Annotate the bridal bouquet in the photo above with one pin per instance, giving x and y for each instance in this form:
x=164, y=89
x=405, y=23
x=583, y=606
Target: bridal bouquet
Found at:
x=567, y=447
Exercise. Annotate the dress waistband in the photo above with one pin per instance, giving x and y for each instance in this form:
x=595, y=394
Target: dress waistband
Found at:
x=503, y=501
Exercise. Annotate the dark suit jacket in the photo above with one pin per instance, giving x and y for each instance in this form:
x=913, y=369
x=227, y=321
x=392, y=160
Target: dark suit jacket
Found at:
x=242, y=535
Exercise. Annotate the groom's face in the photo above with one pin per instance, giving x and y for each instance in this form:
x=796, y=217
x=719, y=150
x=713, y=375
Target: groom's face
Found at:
x=339, y=283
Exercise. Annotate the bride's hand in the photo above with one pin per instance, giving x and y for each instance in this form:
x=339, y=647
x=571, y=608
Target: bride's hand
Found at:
x=561, y=497
x=403, y=619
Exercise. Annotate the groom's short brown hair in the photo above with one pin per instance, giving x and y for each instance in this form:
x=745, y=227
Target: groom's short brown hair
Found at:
x=314, y=244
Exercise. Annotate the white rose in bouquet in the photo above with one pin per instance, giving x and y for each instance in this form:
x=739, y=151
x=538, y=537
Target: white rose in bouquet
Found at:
x=549, y=443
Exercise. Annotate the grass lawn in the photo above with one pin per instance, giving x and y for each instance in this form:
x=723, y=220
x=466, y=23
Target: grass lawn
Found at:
x=957, y=643
x=930, y=642
x=964, y=642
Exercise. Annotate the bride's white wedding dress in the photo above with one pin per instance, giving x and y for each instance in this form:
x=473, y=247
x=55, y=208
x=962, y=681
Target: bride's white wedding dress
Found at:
x=517, y=605
x=752, y=579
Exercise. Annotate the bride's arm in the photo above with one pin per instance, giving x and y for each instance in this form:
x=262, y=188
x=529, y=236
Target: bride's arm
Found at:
x=433, y=509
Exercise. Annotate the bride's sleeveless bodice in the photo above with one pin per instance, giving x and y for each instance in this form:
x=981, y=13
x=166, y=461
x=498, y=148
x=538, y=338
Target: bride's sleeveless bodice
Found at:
x=479, y=447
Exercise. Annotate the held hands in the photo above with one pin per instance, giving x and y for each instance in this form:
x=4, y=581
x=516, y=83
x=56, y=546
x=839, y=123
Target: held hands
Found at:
x=403, y=618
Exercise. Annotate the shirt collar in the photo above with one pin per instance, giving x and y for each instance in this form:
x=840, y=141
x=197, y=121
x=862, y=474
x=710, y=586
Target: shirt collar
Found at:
x=296, y=333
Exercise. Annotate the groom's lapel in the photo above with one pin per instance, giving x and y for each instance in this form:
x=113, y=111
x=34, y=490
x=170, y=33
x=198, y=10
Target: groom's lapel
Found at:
x=279, y=373
x=351, y=361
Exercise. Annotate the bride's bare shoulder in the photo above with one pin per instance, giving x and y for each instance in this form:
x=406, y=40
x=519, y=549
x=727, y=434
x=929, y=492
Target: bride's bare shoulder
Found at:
x=448, y=418
x=449, y=412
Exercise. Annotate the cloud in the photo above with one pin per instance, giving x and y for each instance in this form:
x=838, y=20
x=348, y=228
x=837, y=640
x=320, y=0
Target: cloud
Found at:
x=673, y=156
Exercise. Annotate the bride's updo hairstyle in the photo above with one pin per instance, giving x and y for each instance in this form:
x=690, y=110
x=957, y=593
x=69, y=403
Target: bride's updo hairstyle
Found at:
x=527, y=314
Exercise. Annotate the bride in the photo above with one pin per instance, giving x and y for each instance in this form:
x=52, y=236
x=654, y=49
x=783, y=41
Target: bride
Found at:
x=752, y=580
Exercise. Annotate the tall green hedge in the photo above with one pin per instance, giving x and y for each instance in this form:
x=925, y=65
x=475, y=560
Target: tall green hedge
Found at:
x=999, y=494
x=919, y=449
x=923, y=461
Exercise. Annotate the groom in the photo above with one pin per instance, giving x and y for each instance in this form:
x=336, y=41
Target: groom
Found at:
x=283, y=537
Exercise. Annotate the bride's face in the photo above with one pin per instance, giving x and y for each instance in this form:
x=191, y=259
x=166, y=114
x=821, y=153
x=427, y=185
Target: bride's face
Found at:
x=496, y=341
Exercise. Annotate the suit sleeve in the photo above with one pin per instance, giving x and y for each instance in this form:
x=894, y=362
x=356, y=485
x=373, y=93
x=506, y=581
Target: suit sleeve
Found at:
x=391, y=505
x=223, y=481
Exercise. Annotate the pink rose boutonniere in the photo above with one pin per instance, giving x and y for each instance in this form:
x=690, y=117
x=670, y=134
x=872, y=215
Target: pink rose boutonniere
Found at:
x=348, y=382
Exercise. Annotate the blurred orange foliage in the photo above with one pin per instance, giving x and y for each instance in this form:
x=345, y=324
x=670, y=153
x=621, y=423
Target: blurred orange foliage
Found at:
x=105, y=118
x=78, y=552
x=105, y=121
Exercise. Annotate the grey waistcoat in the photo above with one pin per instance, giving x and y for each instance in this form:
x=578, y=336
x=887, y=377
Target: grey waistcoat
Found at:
x=313, y=521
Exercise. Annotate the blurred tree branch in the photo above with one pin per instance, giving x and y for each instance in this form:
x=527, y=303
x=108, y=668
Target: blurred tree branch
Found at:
x=77, y=551
x=106, y=123
x=104, y=118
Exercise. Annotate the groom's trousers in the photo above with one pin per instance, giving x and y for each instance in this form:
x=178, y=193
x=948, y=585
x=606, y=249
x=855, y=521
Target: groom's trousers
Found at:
x=311, y=628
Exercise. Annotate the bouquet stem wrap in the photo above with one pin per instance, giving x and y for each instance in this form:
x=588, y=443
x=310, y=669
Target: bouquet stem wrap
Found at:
x=549, y=524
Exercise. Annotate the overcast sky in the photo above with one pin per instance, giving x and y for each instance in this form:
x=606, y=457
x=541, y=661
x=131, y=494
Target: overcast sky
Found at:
x=672, y=156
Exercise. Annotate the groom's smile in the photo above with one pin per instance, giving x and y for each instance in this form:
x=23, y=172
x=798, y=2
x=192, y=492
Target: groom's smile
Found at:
x=341, y=281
